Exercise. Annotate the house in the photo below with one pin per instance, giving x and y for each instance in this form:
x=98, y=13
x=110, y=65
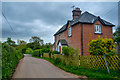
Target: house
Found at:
x=79, y=31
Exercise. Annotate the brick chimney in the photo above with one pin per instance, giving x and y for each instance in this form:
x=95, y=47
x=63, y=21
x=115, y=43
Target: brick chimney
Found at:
x=76, y=13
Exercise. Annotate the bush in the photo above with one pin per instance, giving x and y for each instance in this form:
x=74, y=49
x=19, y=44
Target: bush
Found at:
x=57, y=61
x=55, y=52
x=50, y=53
x=10, y=58
x=102, y=46
x=46, y=50
x=42, y=52
x=36, y=53
x=29, y=51
x=69, y=51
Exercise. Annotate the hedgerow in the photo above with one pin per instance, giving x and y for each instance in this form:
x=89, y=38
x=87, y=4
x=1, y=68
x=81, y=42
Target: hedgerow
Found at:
x=10, y=59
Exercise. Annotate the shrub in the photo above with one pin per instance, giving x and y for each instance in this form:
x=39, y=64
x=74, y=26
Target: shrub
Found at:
x=50, y=53
x=102, y=46
x=10, y=58
x=36, y=53
x=29, y=51
x=69, y=51
x=42, y=52
x=57, y=61
x=55, y=52
x=46, y=50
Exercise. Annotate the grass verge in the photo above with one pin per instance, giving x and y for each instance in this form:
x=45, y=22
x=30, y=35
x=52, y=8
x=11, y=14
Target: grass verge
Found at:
x=90, y=73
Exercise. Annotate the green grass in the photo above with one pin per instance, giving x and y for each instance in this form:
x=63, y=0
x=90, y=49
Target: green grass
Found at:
x=90, y=73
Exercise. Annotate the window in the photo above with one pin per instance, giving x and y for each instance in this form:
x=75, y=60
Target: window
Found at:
x=97, y=29
x=69, y=32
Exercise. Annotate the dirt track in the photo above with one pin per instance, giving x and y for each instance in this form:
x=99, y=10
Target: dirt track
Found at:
x=30, y=67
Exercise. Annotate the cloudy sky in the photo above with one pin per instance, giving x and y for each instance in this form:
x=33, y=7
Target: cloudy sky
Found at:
x=43, y=19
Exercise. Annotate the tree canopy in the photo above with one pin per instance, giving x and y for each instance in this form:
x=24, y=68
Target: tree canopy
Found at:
x=10, y=42
x=116, y=37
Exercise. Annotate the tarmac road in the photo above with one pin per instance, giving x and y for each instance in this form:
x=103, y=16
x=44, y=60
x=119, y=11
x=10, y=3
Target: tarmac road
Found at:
x=30, y=67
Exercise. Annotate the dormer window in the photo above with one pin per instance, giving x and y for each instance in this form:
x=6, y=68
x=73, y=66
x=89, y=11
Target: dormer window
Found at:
x=69, y=32
x=97, y=29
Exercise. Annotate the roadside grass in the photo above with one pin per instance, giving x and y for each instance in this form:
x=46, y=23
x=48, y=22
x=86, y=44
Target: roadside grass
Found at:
x=90, y=73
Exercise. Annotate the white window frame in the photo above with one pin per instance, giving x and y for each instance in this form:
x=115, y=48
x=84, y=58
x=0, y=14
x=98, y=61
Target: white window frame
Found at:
x=70, y=31
x=97, y=28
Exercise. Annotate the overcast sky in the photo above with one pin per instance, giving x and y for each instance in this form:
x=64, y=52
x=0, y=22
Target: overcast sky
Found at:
x=43, y=19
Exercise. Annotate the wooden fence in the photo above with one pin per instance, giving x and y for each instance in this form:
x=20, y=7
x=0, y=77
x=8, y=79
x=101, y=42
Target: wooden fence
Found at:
x=93, y=62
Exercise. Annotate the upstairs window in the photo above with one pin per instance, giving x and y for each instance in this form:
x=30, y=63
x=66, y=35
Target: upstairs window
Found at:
x=97, y=28
x=69, y=32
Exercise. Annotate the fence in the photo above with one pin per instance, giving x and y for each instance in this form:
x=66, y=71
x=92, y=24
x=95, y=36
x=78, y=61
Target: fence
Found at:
x=93, y=62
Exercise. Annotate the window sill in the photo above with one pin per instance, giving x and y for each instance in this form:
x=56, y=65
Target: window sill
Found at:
x=98, y=33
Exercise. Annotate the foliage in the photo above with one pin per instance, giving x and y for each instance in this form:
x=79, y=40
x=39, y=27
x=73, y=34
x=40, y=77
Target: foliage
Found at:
x=37, y=53
x=56, y=52
x=21, y=42
x=46, y=50
x=50, y=53
x=69, y=51
x=35, y=43
x=10, y=42
x=116, y=37
x=10, y=58
x=42, y=52
x=101, y=46
x=57, y=61
x=36, y=39
x=29, y=51
x=48, y=45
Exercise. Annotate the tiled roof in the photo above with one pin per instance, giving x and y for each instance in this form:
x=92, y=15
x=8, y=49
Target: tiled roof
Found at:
x=64, y=27
x=86, y=18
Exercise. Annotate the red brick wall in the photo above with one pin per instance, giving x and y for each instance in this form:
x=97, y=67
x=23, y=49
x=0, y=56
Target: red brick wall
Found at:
x=74, y=40
x=88, y=34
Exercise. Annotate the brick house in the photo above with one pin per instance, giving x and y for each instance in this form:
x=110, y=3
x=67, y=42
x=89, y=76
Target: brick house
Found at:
x=79, y=31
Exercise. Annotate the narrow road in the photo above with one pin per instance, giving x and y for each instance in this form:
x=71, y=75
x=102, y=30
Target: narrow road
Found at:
x=30, y=67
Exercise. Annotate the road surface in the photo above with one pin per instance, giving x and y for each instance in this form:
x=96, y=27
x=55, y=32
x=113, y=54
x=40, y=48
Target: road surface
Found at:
x=30, y=67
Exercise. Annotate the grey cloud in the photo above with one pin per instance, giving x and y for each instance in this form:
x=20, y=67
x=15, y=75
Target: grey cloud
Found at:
x=44, y=18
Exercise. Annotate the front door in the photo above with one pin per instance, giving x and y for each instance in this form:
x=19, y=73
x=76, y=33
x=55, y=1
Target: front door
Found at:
x=60, y=49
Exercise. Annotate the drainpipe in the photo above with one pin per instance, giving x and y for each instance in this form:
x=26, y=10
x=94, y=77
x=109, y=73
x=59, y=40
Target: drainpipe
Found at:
x=81, y=39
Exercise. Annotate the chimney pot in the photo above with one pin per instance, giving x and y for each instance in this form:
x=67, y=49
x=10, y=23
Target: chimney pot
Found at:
x=76, y=13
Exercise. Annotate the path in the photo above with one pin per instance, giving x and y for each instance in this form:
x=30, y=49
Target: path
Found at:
x=30, y=67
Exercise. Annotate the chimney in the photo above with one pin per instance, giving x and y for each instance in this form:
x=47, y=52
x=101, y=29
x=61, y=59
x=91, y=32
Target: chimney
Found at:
x=76, y=13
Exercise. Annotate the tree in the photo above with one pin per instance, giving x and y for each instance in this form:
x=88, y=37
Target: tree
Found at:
x=21, y=42
x=35, y=43
x=29, y=51
x=101, y=46
x=116, y=37
x=36, y=39
x=10, y=42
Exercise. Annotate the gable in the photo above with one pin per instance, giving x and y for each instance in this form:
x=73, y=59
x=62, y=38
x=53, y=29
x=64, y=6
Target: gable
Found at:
x=85, y=18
